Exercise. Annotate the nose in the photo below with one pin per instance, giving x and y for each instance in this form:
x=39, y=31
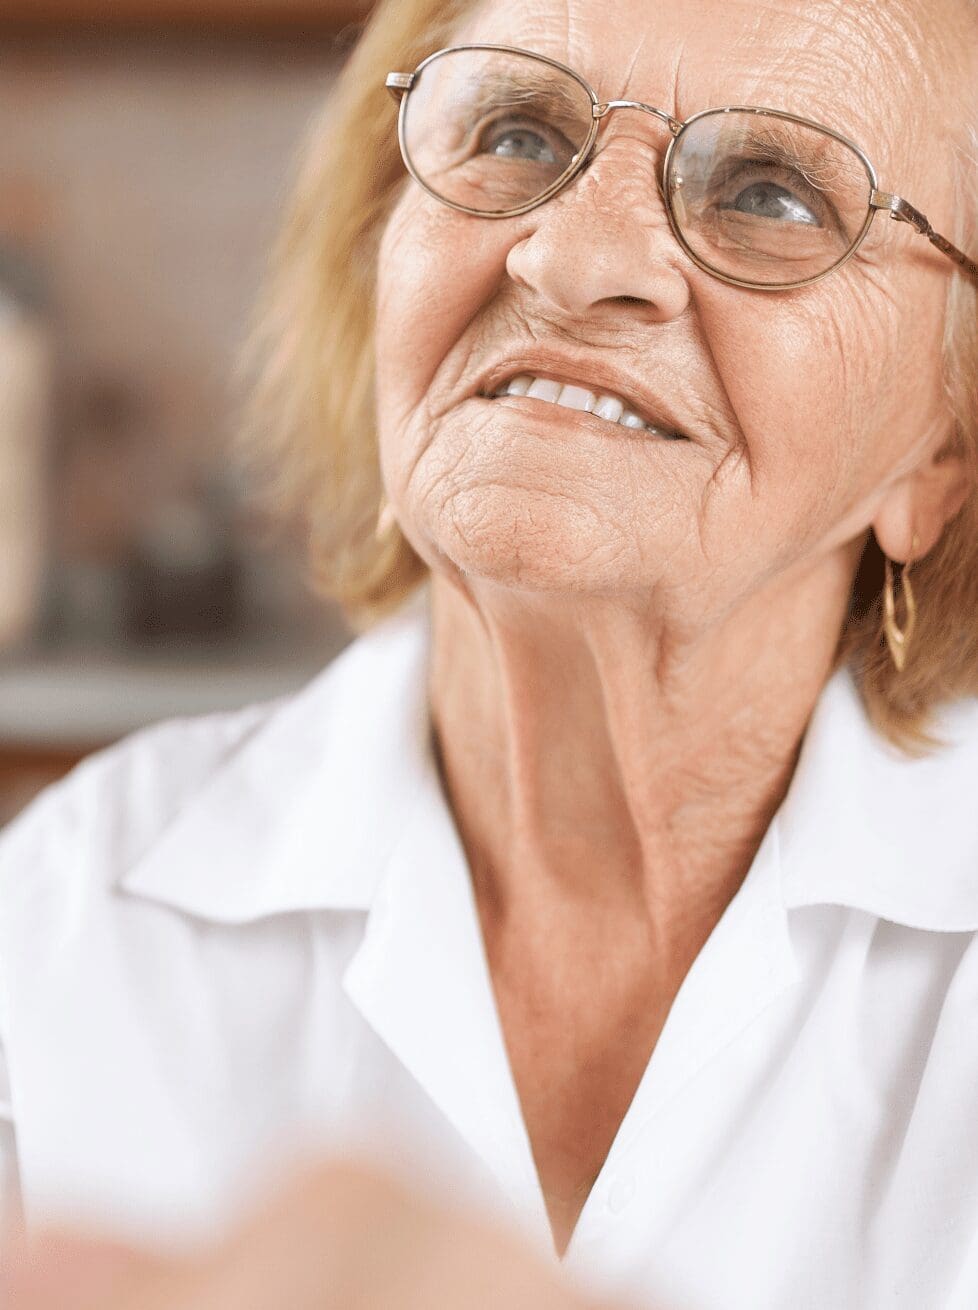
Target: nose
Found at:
x=605, y=238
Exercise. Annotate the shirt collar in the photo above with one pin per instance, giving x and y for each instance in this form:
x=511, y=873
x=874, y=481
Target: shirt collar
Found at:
x=307, y=812
x=865, y=826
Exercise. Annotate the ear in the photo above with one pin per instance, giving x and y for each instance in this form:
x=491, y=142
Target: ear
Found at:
x=922, y=503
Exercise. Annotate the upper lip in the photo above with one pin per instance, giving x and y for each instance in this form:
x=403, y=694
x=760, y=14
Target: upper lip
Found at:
x=597, y=375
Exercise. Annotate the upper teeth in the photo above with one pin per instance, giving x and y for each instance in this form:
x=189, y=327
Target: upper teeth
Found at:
x=572, y=396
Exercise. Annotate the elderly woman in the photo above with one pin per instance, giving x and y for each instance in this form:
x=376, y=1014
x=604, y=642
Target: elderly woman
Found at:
x=618, y=885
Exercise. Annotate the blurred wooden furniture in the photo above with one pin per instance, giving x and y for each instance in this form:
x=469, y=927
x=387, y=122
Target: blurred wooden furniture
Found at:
x=311, y=15
x=26, y=769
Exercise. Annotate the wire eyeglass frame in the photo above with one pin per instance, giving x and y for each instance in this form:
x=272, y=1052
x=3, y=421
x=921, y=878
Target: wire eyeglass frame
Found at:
x=400, y=84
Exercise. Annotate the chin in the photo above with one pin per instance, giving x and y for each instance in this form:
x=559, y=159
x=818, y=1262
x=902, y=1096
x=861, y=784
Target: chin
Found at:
x=523, y=539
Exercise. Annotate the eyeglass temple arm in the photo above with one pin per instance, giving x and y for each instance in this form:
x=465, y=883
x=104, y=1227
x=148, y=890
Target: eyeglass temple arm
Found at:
x=904, y=212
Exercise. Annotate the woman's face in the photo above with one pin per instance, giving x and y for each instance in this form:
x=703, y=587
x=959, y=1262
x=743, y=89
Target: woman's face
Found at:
x=803, y=409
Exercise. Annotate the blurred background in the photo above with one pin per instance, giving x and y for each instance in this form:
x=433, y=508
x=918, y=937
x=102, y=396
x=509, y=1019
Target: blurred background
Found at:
x=146, y=147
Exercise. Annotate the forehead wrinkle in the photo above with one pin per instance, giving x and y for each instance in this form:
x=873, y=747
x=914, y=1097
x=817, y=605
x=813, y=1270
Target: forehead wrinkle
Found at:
x=898, y=84
x=544, y=27
x=562, y=29
x=784, y=54
x=792, y=57
x=957, y=40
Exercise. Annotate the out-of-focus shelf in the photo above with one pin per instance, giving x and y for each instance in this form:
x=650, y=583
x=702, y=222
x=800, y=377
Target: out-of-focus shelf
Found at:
x=62, y=703
x=56, y=709
x=321, y=15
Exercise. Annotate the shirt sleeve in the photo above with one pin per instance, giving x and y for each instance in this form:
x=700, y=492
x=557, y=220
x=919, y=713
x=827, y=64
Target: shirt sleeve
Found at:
x=11, y=1201
x=13, y=860
x=11, y=1193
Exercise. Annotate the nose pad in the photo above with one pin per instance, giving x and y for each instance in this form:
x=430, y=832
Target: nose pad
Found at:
x=678, y=201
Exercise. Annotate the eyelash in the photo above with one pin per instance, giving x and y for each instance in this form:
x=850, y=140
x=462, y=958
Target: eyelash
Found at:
x=516, y=125
x=793, y=179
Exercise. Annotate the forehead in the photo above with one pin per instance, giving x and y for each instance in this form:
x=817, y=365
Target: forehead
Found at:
x=868, y=68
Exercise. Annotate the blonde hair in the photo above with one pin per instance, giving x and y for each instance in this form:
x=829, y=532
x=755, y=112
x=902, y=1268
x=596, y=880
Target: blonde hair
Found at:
x=308, y=435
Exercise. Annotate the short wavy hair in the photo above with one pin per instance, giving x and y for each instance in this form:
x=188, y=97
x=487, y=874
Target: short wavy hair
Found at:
x=307, y=435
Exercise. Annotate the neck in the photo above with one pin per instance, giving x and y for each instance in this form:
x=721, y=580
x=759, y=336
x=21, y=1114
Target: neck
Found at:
x=596, y=762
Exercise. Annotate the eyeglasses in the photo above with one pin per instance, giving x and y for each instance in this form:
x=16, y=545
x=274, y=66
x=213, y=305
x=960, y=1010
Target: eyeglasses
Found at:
x=757, y=197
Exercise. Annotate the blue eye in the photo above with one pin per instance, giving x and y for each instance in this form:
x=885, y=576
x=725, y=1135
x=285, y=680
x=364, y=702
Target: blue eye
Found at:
x=768, y=200
x=521, y=143
x=525, y=144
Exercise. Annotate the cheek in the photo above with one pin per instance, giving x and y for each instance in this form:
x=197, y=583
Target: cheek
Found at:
x=807, y=376
x=436, y=270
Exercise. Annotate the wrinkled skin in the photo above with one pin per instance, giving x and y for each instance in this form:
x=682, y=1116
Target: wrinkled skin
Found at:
x=630, y=635
x=634, y=632
x=804, y=414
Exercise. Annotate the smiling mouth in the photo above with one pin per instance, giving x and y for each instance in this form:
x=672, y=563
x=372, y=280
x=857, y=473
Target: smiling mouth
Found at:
x=571, y=395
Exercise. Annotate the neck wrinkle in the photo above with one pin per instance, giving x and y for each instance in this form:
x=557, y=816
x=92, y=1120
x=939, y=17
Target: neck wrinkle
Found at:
x=591, y=786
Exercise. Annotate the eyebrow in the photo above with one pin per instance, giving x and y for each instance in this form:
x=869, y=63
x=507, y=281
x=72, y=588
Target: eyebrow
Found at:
x=774, y=142
x=532, y=90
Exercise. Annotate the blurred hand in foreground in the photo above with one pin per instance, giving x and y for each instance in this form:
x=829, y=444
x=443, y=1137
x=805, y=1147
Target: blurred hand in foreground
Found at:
x=340, y=1236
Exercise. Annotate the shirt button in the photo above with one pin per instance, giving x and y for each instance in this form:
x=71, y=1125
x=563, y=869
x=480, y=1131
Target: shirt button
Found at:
x=622, y=1191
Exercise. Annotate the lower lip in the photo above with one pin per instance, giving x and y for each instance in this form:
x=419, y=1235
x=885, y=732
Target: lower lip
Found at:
x=559, y=414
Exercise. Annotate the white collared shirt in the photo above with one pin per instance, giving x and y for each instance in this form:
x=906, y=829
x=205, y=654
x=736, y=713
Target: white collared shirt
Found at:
x=240, y=935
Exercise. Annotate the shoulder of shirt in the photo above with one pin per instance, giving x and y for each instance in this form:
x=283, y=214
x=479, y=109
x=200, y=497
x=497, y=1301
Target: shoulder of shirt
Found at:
x=81, y=830
x=98, y=821
x=122, y=795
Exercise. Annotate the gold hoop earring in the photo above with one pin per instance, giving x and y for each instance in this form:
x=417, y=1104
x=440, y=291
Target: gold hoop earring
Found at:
x=386, y=519
x=899, y=640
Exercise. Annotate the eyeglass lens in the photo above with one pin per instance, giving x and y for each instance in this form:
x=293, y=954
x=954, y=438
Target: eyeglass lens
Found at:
x=755, y=197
